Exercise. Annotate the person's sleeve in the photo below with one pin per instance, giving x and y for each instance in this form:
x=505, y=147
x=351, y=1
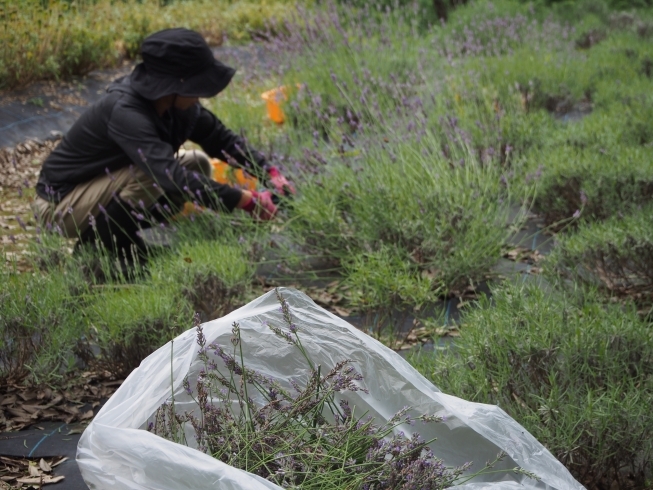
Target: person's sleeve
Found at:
x=219, y=142
x=135, y=133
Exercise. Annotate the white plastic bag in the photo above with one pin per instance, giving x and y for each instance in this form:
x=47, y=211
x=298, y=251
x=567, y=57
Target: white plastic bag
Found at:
x=115, y=452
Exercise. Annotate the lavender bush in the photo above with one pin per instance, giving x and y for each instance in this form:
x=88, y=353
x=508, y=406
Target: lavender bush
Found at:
x=301, y=436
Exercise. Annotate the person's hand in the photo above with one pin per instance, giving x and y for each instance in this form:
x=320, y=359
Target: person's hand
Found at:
x=281, y=185
x=259, y=205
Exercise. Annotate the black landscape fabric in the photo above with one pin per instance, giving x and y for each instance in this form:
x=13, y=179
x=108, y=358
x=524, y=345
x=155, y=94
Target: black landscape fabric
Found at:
x=50, y=440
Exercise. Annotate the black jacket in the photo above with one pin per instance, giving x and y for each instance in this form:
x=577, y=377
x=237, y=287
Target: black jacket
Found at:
x=123, y=128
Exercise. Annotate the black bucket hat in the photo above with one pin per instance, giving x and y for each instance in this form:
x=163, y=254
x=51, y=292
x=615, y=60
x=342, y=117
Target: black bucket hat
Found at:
x=178, y=61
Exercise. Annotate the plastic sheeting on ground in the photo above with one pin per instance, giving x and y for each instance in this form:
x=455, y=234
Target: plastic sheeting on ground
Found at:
x=115, y=452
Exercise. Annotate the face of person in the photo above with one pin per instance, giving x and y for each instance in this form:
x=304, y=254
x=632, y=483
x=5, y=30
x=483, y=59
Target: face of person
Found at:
x=183, y=103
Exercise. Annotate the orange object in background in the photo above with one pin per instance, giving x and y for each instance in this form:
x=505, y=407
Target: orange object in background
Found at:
x=226, y=174
x=274, y=99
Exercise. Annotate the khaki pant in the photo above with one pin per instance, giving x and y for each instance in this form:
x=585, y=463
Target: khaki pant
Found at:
x=129, y=183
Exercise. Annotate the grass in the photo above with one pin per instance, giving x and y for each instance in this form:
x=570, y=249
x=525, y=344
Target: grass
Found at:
x=575, y=373
x=600, y=163
x=127, y=323
x=59, y=39
x=212, y=275
x=40, y=324
x=614, y=255
x=77, y=309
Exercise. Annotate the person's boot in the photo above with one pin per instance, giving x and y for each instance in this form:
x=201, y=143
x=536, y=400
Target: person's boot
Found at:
x=116, y=230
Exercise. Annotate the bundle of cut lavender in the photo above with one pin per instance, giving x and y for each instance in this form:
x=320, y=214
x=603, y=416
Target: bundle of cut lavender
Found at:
x=307, y=436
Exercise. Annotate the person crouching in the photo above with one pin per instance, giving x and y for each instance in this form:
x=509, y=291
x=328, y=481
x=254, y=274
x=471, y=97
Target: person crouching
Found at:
x=120, y=160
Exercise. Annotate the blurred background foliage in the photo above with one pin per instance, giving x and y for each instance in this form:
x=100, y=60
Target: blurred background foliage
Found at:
x=56, y=39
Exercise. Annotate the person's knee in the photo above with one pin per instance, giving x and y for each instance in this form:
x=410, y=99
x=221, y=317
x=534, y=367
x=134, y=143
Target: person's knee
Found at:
x=60, y=219
x=196, y=161
x=139, y=191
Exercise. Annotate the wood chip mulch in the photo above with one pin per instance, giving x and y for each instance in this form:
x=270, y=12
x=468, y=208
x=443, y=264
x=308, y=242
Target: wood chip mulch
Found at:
x=20, y=165
x=19, y=170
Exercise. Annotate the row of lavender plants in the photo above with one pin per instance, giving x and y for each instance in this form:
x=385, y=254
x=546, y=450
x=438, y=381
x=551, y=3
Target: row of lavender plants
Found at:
x=392, y=180
x=415, y=145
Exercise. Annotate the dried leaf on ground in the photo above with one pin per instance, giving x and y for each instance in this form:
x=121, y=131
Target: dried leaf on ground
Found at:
x=45, y=466
x=18, y=472
x=22, y=406
x=33, y=470
x=523, y=255
x=43, y=479
x=335, y=297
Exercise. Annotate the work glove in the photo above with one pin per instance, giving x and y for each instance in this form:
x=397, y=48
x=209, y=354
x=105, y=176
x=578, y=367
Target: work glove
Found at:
x=261, y=207
x=282, y=186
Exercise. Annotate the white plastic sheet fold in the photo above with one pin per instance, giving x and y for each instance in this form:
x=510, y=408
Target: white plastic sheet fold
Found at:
x=115, y=452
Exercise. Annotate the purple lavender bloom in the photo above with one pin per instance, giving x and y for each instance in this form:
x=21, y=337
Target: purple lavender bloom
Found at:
x=576, y=214
x=142, y=155
x=187, y=388
x=21, y=223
